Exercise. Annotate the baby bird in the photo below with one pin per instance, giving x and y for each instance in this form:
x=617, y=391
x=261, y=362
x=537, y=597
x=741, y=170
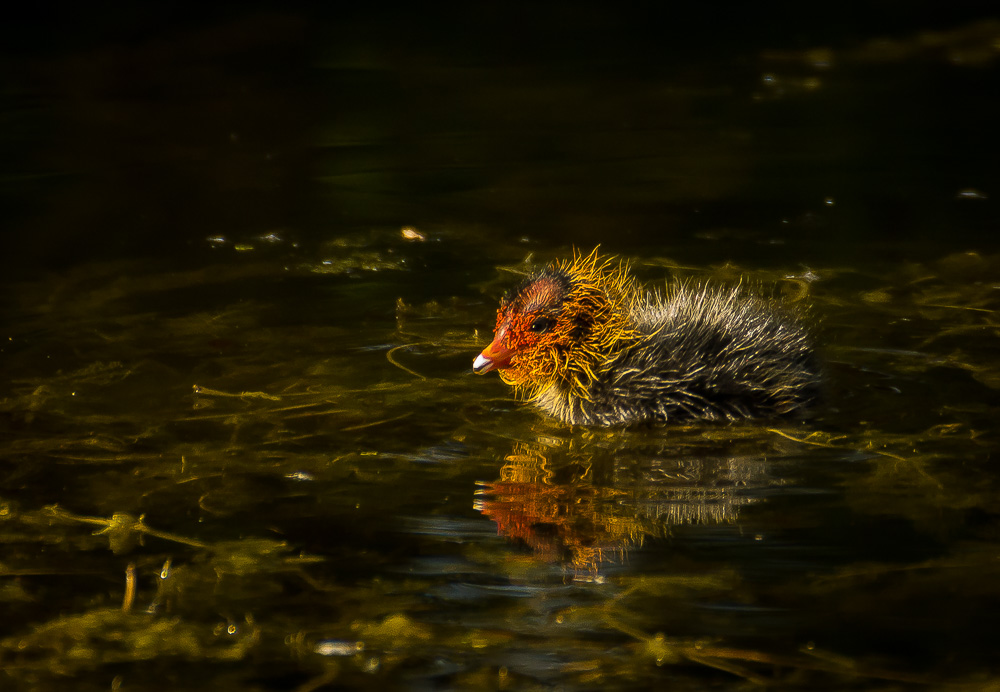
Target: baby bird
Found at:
x=587, y=345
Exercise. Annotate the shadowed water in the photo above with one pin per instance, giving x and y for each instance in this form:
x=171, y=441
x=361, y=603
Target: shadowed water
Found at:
x=245, y=449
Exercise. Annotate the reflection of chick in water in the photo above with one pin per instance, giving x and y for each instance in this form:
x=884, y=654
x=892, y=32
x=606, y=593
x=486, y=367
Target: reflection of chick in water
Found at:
x=569, y=507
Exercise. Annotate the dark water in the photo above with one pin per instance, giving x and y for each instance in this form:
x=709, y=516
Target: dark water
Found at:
x=248, y=259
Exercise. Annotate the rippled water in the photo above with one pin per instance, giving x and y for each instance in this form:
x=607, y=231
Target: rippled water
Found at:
x=245, y=449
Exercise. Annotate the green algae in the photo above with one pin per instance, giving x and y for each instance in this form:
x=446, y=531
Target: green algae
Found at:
x=257, y=503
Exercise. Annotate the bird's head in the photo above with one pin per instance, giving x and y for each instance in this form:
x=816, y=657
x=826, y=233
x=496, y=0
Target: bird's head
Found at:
x=560, y=324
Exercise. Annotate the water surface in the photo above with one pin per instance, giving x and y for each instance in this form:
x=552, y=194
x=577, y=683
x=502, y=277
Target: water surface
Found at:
x=242, y=445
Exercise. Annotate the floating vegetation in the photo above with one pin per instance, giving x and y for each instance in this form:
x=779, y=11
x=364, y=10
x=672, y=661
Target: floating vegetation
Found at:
x=207, y=485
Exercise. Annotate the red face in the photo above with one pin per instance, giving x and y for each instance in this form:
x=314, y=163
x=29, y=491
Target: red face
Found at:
x=526, y=326
x=561, y=325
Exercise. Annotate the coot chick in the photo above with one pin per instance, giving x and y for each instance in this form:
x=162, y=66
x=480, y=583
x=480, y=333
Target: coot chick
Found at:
x=587, y=345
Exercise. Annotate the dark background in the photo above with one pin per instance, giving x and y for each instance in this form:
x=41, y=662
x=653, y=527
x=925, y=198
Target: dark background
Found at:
x=213, y=321
x=140, y=130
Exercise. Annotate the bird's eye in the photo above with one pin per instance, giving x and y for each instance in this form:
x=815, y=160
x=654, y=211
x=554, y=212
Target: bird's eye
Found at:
x=540, y=325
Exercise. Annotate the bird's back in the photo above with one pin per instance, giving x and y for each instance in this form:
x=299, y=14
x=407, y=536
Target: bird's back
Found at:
x=703, y=353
